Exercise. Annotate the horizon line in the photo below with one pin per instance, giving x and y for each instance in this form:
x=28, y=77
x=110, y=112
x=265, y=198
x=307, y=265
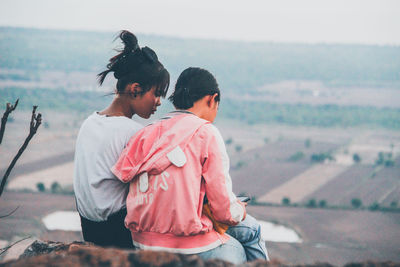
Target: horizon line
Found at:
x=172, y=36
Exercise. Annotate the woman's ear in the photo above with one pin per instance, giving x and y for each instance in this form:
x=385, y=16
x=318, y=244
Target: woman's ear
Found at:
x=134, y=89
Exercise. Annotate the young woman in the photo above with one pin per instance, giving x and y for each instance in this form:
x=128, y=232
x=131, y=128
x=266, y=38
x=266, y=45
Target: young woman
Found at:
x=100, y=196
x=173, y=166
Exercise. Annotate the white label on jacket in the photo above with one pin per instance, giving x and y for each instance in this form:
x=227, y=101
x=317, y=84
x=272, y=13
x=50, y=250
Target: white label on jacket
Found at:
x=177, y=157
x=143, y=182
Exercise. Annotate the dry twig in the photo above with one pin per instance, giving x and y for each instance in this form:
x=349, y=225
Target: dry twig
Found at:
x=36, y=120
x=11, y=213
x=2, y=250
x=10, y=108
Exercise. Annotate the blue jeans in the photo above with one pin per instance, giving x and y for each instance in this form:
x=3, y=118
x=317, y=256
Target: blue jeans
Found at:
x=231, y=251
x=248, y=233
x=245, y=243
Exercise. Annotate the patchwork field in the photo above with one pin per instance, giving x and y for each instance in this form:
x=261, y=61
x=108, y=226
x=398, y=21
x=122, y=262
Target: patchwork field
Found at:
x=283, y=167
x=316, y=93
x=267, y=162
x=359, y=182
x=334, y=236
x=304, y=184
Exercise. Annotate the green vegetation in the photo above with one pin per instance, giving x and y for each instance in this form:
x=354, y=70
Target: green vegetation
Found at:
x=312, y=203
x=356, y=158
x=385, y=159
x=321, y=157
x=240, y=164
x=296, y=156
x=298, y=114
x=229, y=141
x=40, y=187
x=374, y=206
x=56, y=188
x=286, y=201
x=356, y=203
x=59, y=99
x=322, y=203
x=238, y=148
x=309, y=115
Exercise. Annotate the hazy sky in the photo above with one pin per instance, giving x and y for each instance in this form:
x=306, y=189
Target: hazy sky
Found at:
x=310, y=21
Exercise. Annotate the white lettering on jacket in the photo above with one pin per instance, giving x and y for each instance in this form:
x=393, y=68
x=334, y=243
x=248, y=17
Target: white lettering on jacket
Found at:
x=159, y=181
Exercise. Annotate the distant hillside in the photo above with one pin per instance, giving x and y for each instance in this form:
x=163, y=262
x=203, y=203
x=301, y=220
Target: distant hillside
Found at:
x=239, y=66
x=249, y=112
x=38, y=57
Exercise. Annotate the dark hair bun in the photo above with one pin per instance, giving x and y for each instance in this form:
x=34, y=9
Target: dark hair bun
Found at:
x=149, y=54
x=133, y=64
x=130, y=41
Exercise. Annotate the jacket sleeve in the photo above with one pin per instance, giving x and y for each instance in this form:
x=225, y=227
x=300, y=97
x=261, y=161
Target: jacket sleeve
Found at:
x=223, y=203
x=129, y=161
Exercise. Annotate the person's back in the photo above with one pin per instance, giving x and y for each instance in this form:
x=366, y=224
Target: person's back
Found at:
x=176, y=164
x=100, y=196
x=98, y=147
x=178, y=171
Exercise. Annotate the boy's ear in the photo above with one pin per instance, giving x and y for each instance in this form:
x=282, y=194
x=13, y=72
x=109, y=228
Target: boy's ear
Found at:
x=211, y=100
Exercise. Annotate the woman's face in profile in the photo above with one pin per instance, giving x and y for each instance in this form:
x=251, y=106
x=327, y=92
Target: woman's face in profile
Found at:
x=146, y=104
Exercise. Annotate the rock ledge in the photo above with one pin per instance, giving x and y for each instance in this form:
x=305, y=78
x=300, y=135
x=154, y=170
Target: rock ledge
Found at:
x=48, y=253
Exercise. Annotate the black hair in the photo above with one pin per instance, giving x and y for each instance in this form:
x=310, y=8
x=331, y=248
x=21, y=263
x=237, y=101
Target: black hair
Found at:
x=193, y=84
x=136, y=65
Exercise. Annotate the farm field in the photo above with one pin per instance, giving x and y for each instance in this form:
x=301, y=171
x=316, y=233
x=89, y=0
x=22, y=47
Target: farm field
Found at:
x=333, y=236
x=269, y=172
x=32, y=208
x=300, y=186
x=55, y=137
x=263, y=159
x=26, y=221
x=359, y=182
x=317, y=93
x=336, y=236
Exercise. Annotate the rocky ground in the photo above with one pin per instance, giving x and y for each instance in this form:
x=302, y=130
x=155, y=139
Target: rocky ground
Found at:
x=41, y=253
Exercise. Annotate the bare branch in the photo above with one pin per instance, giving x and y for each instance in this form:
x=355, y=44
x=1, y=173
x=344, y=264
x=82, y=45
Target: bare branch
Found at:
x=11, y=213
x=9, y=108
x=36, y=120
x=2, y=250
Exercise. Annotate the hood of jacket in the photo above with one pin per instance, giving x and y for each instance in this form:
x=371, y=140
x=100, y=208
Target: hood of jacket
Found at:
x=157, y=146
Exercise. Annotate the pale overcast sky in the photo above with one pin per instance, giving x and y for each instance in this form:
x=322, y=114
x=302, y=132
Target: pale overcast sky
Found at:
x=306, y=21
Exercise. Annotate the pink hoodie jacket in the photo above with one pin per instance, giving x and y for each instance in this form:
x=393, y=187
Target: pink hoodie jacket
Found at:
x=171, y=165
